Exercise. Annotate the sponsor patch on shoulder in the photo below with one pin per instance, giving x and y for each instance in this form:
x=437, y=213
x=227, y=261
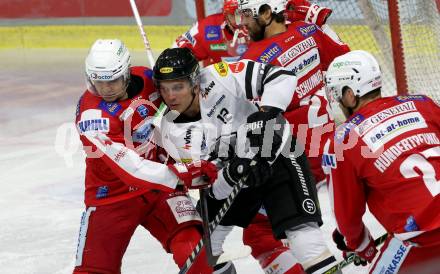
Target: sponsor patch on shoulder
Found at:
x=212, y=33
x=343, y=130
x=237, y=67
x=307, y=30
x=270, y=53
x=406, y=98
x=221, y=68
x=143, y=111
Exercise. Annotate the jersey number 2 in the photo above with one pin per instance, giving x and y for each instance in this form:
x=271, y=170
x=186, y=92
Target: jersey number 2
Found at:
x=419, y=161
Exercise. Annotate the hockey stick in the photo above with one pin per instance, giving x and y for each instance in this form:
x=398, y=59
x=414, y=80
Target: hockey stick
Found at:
x=206, y=232
x=227, y=204
x=352, y=256
x=141, y=29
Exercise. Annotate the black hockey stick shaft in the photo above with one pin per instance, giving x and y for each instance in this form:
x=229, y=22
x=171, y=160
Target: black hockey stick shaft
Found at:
x=351, y=257
x=212, y=260
x=226, y=205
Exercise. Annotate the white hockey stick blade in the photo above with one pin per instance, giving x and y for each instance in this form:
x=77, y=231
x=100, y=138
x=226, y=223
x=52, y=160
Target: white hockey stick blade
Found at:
x=235, y=254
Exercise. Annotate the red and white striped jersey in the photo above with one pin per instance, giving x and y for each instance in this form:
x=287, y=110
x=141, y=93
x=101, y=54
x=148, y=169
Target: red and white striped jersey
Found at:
x=387, y=155
x=110, y=133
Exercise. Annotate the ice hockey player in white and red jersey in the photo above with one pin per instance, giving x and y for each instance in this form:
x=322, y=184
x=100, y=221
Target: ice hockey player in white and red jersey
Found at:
x=123, y=190
x=221, y=101
x=217, y=37
x=386, y=156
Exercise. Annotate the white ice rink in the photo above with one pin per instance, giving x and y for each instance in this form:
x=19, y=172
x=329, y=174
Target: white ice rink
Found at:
x=42, y=172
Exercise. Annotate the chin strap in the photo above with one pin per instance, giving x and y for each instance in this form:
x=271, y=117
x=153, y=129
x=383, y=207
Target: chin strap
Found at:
x=192, y=100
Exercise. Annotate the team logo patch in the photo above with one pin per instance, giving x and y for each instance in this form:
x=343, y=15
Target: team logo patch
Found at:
x=110, y=108
x=166, y=70
x=411, y=224
x=307, y=30
x=101, y=192
x=212, y=33
x=143, y=111
x=221, y=68
x=270, y=53
x=218, y=47
x=237, y=67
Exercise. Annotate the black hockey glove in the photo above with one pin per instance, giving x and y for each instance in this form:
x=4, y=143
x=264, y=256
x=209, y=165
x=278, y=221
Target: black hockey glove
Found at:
x=254, y=173
x=265, y=130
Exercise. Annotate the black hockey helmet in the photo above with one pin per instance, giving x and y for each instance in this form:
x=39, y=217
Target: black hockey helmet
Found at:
x=176, y=63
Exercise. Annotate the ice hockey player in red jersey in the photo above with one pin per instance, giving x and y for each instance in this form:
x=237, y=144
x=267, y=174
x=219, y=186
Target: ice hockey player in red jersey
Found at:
x=386, y=156
x=306, y=50
x=122, y=190
x=217, y=37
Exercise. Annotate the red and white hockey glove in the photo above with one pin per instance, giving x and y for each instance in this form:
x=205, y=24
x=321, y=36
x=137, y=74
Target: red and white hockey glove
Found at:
x=195, y=175
x=365, y=253
x=303, y=10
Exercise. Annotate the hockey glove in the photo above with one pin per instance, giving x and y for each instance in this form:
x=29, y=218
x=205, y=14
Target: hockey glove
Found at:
x=265, y=130
x=254, y=173
x=363, y=256
x=195, y=175
x=303, y=10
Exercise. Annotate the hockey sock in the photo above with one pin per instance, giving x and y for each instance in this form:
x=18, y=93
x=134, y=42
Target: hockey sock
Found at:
x=182, y=246
x=280, y=261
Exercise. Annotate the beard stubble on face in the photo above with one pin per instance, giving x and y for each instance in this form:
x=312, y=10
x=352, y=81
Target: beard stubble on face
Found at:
x=256, y=32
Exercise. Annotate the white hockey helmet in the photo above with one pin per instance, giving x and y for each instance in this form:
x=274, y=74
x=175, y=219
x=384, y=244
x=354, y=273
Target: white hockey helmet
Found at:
x=253, y=6
x=108, y=59
x=357, y=70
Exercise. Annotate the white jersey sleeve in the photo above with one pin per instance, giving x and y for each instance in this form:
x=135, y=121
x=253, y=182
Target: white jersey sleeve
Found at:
x=272, y=85
x=129, y=166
